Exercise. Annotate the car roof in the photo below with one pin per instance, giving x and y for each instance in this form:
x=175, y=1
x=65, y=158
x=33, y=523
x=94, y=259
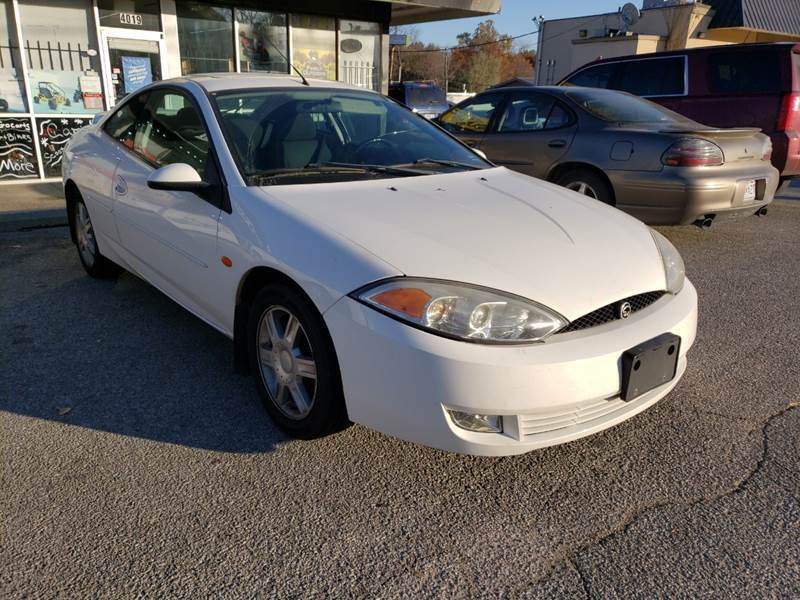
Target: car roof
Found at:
x=218, y=82
x=699, y=50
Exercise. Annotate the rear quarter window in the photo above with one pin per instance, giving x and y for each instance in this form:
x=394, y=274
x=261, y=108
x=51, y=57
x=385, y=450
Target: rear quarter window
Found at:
x=652, y=77
x=745, y=72
x=597, y=77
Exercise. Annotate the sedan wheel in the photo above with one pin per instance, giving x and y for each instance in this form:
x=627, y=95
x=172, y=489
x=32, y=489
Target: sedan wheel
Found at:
x=93, y=261
x=84, y=233
x=587, y=182
x=582, y=188
x=287, y=362
x=294, y=362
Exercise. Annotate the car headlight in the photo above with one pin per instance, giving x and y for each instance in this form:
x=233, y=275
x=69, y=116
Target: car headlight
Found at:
x=674, y=269
x=462, y=311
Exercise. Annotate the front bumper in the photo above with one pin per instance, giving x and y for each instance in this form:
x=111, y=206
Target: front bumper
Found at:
x=680, y=196
x=400, y=380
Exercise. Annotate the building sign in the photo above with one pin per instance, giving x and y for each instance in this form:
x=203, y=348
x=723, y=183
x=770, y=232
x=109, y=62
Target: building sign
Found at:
x=130, y=19
x=17, y=154
x=136, y=72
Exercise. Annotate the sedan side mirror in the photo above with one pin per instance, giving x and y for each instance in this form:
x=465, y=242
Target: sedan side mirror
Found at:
x=177, y=177
x=480, y=153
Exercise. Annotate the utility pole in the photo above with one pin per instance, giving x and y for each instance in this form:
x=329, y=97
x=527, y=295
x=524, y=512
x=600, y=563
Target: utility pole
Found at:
x=446, y=74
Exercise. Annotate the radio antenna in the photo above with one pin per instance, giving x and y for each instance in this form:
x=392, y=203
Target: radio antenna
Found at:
x=283, y=56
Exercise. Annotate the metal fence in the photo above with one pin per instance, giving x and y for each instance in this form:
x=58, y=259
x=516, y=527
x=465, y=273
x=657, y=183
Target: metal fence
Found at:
x=57, y=58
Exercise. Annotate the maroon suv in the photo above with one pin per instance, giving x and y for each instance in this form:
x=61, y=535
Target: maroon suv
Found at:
x=741, y=85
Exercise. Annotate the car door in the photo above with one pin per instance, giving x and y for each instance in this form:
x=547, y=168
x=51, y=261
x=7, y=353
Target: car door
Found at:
x=532, y=133
x=470, y=119
x=170, y=236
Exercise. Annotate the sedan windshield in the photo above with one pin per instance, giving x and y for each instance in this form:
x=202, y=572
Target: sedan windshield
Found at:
x=284, y=136
x=620, y=107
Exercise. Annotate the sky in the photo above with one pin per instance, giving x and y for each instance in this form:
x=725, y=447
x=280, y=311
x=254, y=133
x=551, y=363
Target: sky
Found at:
x=515, y=18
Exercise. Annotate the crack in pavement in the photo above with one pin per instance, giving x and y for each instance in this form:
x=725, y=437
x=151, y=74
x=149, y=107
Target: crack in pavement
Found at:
x=624, y=525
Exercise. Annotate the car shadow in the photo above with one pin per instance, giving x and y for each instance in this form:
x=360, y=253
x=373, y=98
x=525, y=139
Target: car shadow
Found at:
x=120, y=357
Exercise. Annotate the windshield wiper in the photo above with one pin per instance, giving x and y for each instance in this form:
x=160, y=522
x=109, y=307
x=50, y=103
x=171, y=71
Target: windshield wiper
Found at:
x=330, y=168
x=447, y=163
x=367, y=168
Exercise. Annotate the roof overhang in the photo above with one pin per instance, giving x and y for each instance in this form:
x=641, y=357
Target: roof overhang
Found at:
x=406, y=12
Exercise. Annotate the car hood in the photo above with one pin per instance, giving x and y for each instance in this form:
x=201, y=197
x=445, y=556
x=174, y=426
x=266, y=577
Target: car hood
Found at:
x=494, y=228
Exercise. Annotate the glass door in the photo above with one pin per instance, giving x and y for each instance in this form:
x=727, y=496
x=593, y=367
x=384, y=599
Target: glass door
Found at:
x=132, y=60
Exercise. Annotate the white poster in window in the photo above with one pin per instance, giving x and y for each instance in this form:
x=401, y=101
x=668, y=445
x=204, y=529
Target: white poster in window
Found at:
x=92, y=91
x=59, y=92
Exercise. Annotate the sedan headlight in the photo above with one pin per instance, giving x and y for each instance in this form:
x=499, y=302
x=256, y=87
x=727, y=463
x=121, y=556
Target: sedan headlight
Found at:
x=674, y=269
x=462, y=311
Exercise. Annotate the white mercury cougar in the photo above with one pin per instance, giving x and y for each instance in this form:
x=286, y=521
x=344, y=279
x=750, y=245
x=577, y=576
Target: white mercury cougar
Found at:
x=371, y=268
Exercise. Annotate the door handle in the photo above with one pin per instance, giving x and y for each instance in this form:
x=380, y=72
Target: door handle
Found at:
x=120, y=187
x=557, y=143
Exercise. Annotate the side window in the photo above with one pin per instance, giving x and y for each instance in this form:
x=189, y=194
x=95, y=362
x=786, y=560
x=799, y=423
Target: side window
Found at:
x=525, y=112
x=559, y=117
x=170, y=130
x=599, y=76
x=652, y=77
x=734, y=72
x=121, y=125
x=473, y=116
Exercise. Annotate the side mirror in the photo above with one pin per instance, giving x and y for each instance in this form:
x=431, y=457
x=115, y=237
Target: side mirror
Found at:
x=480, y=153
x=177, y=177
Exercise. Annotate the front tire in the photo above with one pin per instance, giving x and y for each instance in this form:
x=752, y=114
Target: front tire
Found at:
x=94, y=263
x=294, y=363
x=587, y=183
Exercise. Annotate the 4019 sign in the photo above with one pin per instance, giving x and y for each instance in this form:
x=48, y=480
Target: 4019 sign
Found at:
x=130, y=19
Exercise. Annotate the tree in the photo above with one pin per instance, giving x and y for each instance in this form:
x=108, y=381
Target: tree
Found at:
x=481, y=59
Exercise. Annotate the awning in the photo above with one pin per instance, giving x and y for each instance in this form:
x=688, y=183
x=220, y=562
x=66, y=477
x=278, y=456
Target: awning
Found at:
x=405, y=12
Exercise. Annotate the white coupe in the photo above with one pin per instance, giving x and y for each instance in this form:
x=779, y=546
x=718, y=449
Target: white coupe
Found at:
x=371, y=268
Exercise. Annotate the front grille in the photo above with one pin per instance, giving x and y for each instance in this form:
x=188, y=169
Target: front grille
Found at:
x=610, y=312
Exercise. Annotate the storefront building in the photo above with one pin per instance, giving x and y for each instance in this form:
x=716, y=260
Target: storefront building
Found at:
x=63, y=61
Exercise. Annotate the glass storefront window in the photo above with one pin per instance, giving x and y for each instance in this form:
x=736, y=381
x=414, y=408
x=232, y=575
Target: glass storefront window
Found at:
x=205, y=36
x=130, y=14
x=17, y=151
x=360, y=53
x=314, y=46
x=60, y=47
x=12, y=94
x=263, y=41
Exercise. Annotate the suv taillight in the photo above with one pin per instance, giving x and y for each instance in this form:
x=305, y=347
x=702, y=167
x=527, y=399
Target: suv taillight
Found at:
x=789, y=118
x=693, y=152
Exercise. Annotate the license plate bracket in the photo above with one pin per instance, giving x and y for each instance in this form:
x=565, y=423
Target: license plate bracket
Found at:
x=649, y=365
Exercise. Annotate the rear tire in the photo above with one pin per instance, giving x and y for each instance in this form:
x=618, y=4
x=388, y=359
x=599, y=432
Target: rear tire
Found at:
x=294, y=363
x=587, y=183
x=94, y=263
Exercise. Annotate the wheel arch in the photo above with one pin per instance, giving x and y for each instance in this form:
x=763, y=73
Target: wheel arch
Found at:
x=251, y=282
x=561, y=168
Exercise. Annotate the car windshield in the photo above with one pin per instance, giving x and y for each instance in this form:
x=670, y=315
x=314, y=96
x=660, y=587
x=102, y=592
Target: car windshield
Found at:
x=281, y=136
x=423, y=95
x=621, y=107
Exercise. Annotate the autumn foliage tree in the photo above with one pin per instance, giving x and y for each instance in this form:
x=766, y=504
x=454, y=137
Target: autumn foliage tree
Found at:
x=481, y=59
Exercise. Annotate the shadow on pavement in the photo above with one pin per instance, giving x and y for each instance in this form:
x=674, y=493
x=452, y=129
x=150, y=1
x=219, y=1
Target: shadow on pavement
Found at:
x=119, y=356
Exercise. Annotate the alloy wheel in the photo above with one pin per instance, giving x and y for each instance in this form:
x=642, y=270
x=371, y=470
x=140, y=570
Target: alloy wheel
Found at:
x=286, y=361
x=582, y=188
x=87, y=244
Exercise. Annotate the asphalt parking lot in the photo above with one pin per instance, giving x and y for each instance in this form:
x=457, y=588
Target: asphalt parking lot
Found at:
x=135, y=462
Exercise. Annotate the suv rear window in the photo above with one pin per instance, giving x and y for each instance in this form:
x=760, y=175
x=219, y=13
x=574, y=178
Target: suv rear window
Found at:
x=735, y=72
x=652, y=76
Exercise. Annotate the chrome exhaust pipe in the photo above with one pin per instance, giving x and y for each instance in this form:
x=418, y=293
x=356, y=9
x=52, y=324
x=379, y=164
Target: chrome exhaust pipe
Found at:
x=704, y=223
